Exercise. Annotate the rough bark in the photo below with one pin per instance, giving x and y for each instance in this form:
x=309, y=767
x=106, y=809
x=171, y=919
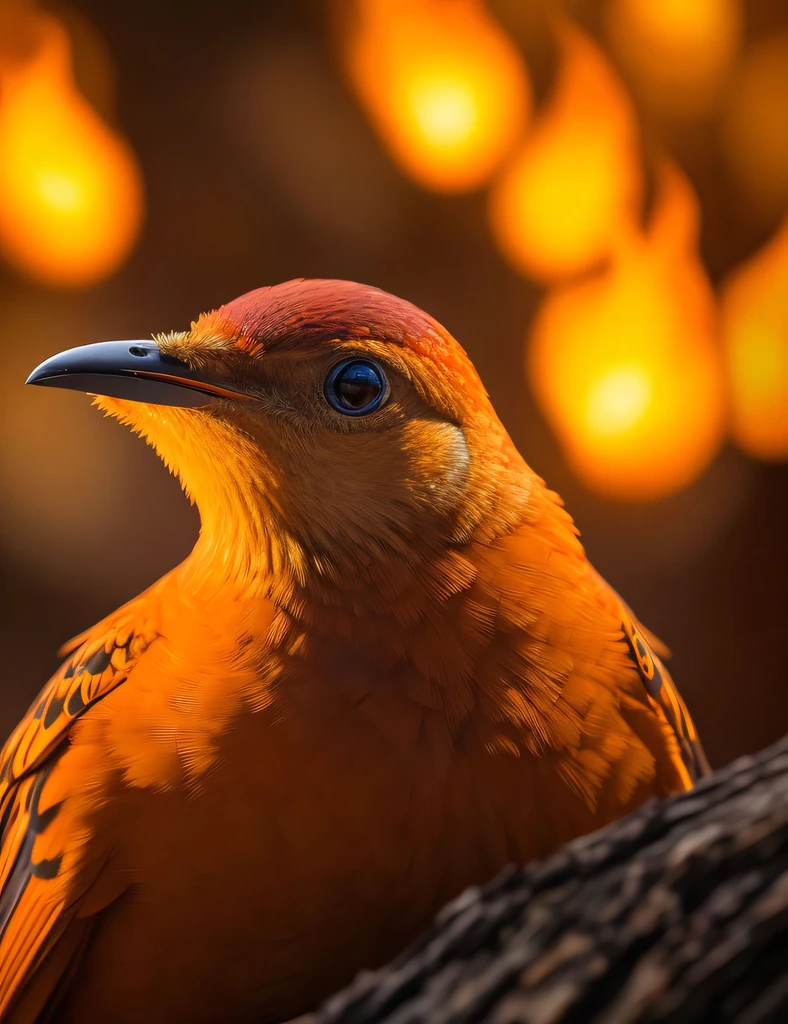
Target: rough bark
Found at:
x=677, y=913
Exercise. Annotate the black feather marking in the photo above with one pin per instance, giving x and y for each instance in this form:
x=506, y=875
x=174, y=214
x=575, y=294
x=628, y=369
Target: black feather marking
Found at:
x=17, y=882
x=98, y=662
x=75, y=704
x=47, y=869
x=54, y=709
x=24, y=869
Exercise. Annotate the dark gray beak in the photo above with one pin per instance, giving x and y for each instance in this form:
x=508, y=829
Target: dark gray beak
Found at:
x=137, y=371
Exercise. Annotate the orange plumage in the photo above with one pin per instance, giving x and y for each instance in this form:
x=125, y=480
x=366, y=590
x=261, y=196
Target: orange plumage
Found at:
x=386, y=669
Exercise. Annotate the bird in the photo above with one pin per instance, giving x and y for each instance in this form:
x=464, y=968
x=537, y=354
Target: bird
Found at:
x=386, y=670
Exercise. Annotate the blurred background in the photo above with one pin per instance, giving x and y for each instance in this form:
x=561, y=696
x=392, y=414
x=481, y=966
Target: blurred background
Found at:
x=592, y=197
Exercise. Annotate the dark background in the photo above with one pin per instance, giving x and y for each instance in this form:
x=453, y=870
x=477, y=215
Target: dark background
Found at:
x=259, y=167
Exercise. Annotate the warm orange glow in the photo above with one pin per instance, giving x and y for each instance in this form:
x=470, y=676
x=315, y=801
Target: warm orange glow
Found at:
x=70, y=187
x=625, y=365
x=443, y=85
x=51, y=453
x=754, y=309
x=560, y=205
x=679, y=51
x=755, y=127
x=618, y=399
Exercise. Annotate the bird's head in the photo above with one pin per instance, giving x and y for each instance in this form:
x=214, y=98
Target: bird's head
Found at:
x=319, y=425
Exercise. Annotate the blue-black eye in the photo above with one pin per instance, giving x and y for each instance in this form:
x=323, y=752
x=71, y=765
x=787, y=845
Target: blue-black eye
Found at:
x=356, y=387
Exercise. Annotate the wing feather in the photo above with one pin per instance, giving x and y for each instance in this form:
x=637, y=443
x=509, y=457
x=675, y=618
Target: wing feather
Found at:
x=646, y=651
x=662, y=690
x=38, y=905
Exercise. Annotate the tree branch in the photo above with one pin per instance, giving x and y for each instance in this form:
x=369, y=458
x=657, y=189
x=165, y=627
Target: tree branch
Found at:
x=678, y=913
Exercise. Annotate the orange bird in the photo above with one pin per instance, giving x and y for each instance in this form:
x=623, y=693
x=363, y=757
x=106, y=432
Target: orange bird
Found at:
x=385, y=670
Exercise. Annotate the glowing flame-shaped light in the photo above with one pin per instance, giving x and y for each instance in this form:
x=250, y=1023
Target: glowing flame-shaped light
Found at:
x=561, y=204
x=678, y=51
x=624, y=364
x=443, y=85
x=754, y=309
x=70, y=187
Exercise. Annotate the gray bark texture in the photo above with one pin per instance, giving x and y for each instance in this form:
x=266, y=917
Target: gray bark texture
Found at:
x=677, y=913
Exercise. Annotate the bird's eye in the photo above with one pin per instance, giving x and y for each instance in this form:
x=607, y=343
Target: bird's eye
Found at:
x=356, y=387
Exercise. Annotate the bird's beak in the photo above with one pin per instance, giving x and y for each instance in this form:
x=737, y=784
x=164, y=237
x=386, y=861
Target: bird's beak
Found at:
x=137, y=371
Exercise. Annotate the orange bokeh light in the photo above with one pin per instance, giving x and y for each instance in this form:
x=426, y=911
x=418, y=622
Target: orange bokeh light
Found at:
x=70, y=188
x=678, y=51
x=624, y=364
x=443, y=85
x=754, y=310
x=560, y=205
